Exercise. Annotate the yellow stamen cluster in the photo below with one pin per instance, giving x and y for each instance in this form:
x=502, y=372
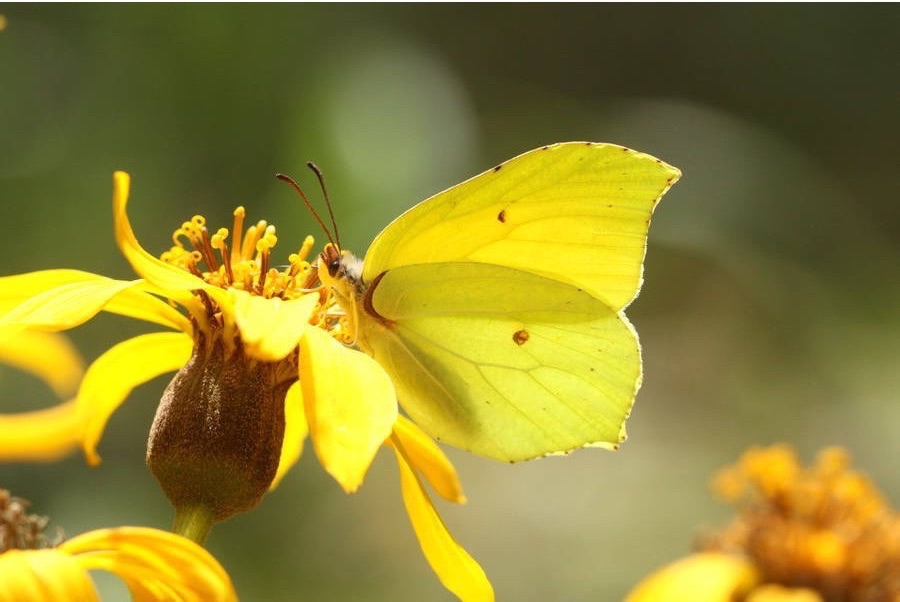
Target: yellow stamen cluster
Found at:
x=825, y=527
x=245, y=265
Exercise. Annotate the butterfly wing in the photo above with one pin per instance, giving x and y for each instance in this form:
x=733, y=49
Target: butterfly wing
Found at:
x=496, y=306
x=575, y=212
x=502, y=362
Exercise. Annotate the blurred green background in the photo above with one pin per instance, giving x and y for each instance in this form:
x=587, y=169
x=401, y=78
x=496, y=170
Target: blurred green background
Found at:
x=770, y=309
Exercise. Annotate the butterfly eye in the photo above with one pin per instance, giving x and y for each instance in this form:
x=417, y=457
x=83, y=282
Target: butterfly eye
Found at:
x=334, y=266
x=332, y=259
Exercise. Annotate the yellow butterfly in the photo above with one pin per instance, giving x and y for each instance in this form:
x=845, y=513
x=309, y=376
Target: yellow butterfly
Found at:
x=496, y=306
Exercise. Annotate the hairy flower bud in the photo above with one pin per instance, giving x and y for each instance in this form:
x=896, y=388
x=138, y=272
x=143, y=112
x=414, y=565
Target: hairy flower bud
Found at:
x=216, y=440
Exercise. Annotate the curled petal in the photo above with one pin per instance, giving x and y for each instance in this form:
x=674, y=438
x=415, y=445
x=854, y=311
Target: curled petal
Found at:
x=114, y=374
x=50, y=357
x=41, y=435
x=295, y=431
x=156, y=565
x=350, y=406
x=703, y=577
x=271, y=328
x=36, y=575
x=428, y=459
x=454, y=567
x=176, y=282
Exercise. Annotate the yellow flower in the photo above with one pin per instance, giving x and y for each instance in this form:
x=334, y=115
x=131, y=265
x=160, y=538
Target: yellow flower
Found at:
x=154, y=564
x=818, y=534
x=42, y=434
x=259, y=366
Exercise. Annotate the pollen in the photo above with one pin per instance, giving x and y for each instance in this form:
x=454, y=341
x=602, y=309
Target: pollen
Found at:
x=824, y=527
x=246, y=263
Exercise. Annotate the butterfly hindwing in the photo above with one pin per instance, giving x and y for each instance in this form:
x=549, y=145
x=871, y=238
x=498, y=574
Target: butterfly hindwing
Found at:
x=502, y=362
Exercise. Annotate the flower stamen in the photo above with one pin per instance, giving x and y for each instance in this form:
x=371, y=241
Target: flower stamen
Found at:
x=263, y=270
x=206, y=248
x=244, y=264
x=251, y=237
x=238, y=229
x=218, y=242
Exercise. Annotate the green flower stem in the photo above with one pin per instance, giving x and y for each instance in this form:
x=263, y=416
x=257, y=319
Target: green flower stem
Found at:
x=193, y=522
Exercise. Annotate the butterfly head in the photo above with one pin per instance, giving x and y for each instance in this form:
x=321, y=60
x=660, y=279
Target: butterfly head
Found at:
x=341, y=271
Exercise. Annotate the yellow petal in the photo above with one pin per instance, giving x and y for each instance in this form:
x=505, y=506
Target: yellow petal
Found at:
x=65, y=306
x=427, y=458
x=18, y=288
x=50, y=357
x=350, y=406
x=156, y=565
x=41, y=435
x=133, y=301
x=176, y=282
x=295, y=431
x=43, y=576
x=114, y=374
x=271, y=328
x=138, y=303
x=454, y=567
x=704, y=577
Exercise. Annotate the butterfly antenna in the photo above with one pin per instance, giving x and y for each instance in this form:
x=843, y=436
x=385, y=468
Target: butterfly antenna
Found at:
x=321, y=178
x=295, y=186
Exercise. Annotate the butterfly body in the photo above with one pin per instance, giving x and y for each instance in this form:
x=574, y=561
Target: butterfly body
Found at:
x=496, y=305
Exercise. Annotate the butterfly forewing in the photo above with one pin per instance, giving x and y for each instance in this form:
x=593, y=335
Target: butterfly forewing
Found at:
x=575, y=212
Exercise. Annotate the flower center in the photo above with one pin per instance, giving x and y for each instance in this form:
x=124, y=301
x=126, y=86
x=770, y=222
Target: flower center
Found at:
x=245, y=264
x=824, y=527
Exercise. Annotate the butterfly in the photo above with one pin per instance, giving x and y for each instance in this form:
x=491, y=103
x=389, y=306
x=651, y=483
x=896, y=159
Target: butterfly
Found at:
x=496, y=306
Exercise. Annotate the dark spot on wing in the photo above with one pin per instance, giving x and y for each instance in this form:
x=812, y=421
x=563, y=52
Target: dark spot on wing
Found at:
x=520, y=337
x=498, y=168
x=501, y=217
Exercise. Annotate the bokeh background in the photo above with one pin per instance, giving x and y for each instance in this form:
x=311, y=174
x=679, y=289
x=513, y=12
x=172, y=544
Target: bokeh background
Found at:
x=770, y=309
